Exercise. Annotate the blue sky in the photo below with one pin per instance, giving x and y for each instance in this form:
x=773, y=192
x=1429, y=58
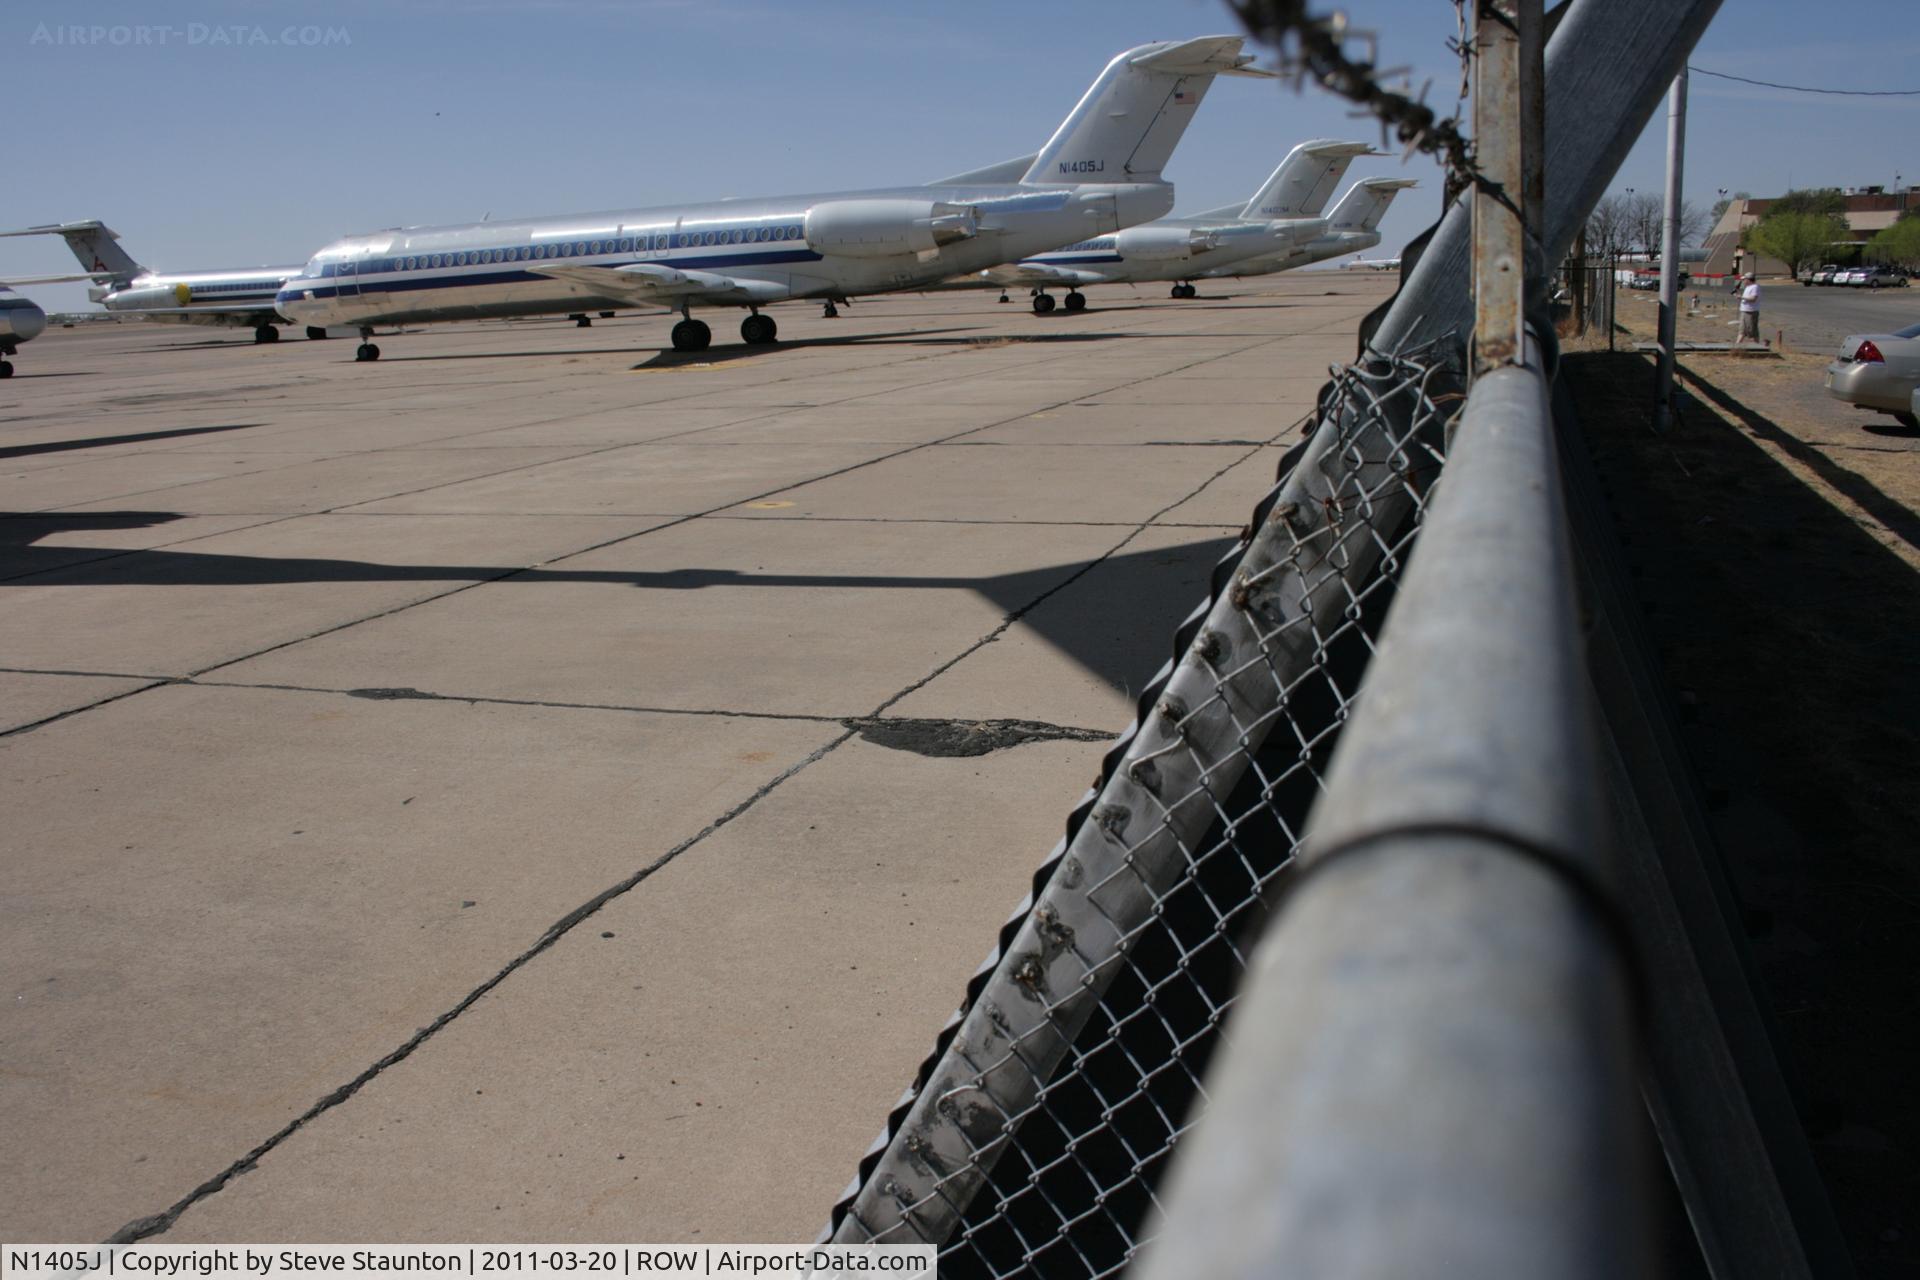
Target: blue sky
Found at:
x=203, y=152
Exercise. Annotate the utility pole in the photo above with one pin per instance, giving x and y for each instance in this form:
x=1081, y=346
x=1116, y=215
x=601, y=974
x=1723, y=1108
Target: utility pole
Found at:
x=1670, y=250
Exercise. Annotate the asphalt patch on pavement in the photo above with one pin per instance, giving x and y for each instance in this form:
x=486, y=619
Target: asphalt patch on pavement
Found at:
x=964, y=737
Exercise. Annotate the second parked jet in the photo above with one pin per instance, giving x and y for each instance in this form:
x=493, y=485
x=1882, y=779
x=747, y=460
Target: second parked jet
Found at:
x=1282, y=215
x=242, y=297
x=1100, y=171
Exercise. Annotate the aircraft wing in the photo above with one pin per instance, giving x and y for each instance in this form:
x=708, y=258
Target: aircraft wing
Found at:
x=1040, y=273
x=647, y=283
x=207, y=313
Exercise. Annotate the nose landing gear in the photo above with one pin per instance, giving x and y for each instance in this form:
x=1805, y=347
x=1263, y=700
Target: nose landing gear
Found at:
x=366, y=351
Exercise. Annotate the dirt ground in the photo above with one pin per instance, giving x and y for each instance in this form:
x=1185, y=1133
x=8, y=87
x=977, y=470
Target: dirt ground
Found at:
x=1776, y=542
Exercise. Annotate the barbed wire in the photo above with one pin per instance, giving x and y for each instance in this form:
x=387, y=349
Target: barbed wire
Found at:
x=1318, y=47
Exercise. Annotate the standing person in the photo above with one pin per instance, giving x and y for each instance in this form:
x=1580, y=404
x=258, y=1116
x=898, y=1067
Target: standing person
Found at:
x=1749, y=309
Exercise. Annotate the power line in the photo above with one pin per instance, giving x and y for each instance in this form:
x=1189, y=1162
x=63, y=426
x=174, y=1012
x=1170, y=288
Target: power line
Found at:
x=1801, y=88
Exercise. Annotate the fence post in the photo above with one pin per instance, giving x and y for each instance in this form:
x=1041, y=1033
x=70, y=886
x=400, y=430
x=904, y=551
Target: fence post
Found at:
x=1500, y=188
x=1670, y=250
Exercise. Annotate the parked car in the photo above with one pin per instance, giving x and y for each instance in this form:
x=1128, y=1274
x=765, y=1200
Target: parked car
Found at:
x=1880, y=278
x=1879, y=371
x=1821, y=275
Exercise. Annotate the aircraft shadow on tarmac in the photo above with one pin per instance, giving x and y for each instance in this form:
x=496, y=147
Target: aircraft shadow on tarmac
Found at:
x=100, y=442
x=1121, y=631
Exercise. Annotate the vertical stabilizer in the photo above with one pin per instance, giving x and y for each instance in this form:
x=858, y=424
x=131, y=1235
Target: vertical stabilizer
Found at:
x=1366, y=203
x=1305, y=180
x=1126, y=126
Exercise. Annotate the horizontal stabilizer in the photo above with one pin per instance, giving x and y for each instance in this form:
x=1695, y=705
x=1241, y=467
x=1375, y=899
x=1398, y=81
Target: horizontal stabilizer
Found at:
x=1005, y=171
x=97, y=275
x=93, y=242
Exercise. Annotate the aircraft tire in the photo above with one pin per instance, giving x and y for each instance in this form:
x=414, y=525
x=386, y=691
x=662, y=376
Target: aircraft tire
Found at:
x=691, y=335
x=1075, y=301
x=6, y=369
x=315, y=332
x=265, y=333
x=758, y=331
x=366, y=352
x=1042, y=303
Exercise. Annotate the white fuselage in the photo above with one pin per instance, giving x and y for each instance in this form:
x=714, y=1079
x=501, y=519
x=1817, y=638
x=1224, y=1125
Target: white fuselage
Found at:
x=244, y=297
x=485, y=269
x=1332, y=245
x=1214, y=243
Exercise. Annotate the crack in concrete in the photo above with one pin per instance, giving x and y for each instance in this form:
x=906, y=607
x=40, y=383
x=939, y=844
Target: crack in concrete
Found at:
x=154, y=1224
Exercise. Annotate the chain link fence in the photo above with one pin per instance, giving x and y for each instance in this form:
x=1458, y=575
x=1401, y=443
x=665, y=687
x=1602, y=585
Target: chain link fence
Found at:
x=1034, y=1139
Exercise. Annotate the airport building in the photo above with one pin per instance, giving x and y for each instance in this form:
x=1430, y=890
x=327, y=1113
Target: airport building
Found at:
x=1869, y=210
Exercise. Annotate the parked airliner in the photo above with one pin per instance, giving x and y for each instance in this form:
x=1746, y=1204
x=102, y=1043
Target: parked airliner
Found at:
x=20, y=321
x=242, y=298
x=1353, y=225
x=1100, y=171
x=1281, y=216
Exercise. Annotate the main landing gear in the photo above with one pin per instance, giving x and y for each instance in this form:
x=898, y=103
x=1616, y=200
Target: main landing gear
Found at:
x=265, y=333
x=366, y=351
x=581, y=320
x=6, y=366
x=1004, y=297
x=1185, y=291
x=758, y=330
x=691, y=334
x=315, y=333
x=1043, y=302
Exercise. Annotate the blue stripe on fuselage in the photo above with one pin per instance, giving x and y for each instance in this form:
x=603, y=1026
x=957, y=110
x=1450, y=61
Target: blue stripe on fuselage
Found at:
x=1051, y=261
x=408, y=281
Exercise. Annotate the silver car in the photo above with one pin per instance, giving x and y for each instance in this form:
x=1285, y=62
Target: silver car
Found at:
x=1879, y=371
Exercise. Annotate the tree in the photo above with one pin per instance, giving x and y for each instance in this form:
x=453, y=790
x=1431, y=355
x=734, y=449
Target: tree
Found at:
x=1606, y=228
x=1795, y=238
x=1898, y=244
x=1809, y=200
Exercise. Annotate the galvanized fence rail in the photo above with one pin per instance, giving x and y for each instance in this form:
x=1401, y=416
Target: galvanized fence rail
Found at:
x=1036, y=1135
x=1431, y=1062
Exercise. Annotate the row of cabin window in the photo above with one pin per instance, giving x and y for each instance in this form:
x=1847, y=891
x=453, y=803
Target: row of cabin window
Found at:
x=1087, y=244
x=588, y=248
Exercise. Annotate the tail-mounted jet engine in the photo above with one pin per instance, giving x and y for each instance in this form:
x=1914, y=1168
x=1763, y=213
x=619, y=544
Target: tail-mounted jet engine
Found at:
x=888, y=228
x=1163, y=244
